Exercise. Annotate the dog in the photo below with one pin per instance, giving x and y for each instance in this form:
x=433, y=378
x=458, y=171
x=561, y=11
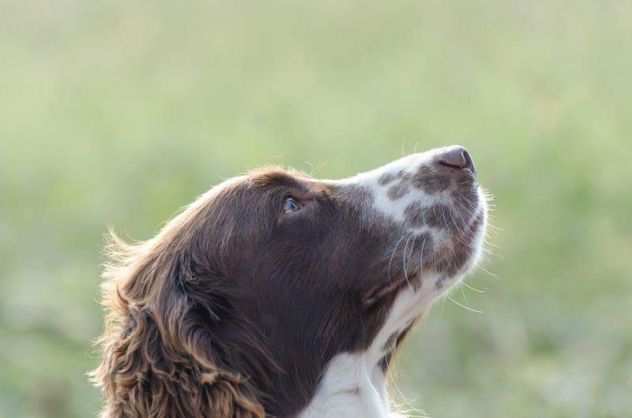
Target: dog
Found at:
x=278, y=295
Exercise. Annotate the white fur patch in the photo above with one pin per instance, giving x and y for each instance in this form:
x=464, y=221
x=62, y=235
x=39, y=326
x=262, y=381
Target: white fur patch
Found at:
x=354, y=384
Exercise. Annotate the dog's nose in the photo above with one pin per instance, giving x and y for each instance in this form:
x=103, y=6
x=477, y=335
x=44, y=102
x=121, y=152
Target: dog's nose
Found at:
x=457, y=158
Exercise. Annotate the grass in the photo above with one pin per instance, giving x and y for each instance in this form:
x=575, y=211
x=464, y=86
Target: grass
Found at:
x=118, y=113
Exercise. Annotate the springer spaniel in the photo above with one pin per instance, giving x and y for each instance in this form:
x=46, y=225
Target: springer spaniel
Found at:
x=278, y=295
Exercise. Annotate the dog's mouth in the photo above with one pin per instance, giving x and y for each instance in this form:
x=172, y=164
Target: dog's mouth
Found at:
x=445, y=235
x=457, y=256
x=442, y=247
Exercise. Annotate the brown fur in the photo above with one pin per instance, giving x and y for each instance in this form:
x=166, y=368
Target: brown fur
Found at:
x=156, y=361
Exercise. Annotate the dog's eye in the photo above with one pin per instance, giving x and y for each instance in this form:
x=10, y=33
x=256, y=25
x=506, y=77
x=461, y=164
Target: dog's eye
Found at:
x=291, y=205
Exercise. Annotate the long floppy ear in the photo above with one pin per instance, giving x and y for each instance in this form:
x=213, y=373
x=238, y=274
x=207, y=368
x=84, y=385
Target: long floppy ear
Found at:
x=157, y=357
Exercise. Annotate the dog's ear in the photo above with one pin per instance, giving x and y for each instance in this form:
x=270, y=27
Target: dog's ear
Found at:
x=158, y=349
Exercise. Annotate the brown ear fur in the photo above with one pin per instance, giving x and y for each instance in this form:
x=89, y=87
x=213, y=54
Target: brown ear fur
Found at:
x=156, y=359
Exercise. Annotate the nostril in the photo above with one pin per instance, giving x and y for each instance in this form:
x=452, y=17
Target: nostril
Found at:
x=457, y=158
x=469, y=163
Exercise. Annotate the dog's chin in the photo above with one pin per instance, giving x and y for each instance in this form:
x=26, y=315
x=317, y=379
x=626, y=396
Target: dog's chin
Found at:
x=463, y=257
x=430, y=278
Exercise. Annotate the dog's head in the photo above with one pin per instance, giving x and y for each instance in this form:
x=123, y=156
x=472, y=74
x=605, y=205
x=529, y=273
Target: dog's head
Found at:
x=238, y=306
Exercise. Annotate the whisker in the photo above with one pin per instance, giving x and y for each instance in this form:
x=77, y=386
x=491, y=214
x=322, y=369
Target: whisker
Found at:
x=464, y=295
x=467, y=308
x=472, y=288
x=491, y=244
x=421, y=254
x=392, y=257
x=405, y=260
x=494, y=227
x=484, y=270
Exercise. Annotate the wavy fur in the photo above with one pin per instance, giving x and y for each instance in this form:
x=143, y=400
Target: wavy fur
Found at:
x=157, y=353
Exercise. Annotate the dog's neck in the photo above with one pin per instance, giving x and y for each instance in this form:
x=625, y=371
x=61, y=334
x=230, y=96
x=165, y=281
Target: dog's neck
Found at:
x=353, y=386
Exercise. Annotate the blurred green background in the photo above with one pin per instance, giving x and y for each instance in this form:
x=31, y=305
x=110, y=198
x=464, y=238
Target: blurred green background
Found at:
x=118, y=113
